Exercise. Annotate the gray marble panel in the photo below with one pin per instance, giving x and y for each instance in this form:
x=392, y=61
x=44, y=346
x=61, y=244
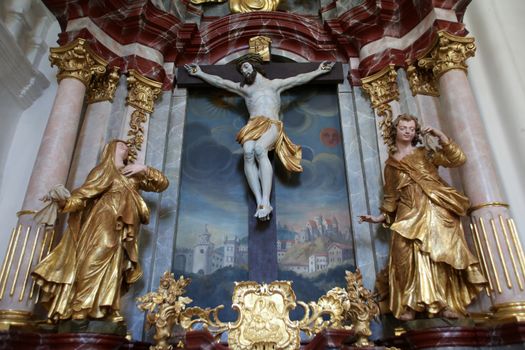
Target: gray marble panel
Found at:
x=346, y=5
x=504, y=347
x=366, y=124
x=406, y=100
x=356, y=186
x=118, y=110
x=164, y=242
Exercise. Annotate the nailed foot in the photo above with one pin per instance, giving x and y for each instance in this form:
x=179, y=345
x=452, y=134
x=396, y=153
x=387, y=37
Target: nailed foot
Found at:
x=263, y=212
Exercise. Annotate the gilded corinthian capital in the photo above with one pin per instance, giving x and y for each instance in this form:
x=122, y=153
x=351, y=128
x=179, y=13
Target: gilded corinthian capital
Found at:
x=142, y=91
x=382, y=89
x=450, y=52
x=103, y=87
x=422, y=81
x=381, y=86
x=76, y=60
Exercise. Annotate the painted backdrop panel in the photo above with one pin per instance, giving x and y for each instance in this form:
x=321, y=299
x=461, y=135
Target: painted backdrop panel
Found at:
x=315, y=243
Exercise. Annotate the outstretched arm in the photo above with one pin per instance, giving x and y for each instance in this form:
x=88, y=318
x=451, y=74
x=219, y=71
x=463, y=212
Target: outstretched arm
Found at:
x=303, y=78
x=214, y=80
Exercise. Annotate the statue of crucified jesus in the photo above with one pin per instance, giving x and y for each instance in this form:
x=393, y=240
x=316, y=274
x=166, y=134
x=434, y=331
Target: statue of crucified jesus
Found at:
x=264, y=131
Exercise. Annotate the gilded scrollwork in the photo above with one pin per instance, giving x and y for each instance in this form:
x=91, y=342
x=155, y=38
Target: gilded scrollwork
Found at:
x=102, y=88
x=263, y=321
x=361, y=307
x=136, y=133
x=422, y=81
x=142, y=94
x=382, y=89
x=76, y=60
x=165, y=307
x=450, y=52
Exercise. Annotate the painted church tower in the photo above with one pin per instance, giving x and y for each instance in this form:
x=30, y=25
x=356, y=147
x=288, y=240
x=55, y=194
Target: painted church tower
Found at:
x=202, y=254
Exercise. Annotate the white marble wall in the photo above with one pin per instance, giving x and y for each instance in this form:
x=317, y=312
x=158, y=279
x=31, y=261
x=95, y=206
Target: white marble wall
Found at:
x=23, y=118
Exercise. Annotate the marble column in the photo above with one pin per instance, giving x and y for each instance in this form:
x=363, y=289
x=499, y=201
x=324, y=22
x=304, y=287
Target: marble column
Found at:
x=492, y=224
x=425, y=90
x=142, y=94
x=383, y=91
x=91, y=138
x=28, y=243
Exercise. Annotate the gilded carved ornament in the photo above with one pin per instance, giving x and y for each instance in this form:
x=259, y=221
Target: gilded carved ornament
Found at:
x=165, y=307
x=244, y=6
x=263, y=321
x=450, y=52
x=142, y=94
x=422, y=81
x=382, y=89
x=142, y=91
x=103, y=87
x=261, y=46
x=76, y=60
x=136, y=133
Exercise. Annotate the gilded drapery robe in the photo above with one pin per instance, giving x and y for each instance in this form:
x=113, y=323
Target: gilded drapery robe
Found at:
x=97, y=257
x=431, y=267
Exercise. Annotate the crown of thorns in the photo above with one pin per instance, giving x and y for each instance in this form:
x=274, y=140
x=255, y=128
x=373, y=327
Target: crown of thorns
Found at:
x=253, y=58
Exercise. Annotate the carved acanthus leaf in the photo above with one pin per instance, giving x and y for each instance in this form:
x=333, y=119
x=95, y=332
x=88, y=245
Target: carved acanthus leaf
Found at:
x=450, y=52
x=76, y=60
x=103, y=87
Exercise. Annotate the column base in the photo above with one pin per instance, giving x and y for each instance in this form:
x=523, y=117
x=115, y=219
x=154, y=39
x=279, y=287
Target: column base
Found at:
x=508, y=312
x=17, y=318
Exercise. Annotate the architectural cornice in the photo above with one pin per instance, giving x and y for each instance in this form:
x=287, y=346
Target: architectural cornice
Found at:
x=378, y=32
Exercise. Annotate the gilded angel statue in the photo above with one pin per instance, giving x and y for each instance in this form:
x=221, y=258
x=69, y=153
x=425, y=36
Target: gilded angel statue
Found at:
x=430, y=268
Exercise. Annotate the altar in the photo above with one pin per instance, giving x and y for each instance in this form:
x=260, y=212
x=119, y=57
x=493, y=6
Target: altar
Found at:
x=272, y=197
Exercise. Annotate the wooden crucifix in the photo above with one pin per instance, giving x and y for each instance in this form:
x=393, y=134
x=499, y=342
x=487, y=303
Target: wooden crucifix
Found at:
x=261, y=86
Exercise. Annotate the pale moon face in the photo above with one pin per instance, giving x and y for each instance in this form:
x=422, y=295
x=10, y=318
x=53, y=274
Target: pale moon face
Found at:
x=330, y=137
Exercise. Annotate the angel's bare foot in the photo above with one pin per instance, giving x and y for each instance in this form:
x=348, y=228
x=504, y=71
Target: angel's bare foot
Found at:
x=408, y=315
